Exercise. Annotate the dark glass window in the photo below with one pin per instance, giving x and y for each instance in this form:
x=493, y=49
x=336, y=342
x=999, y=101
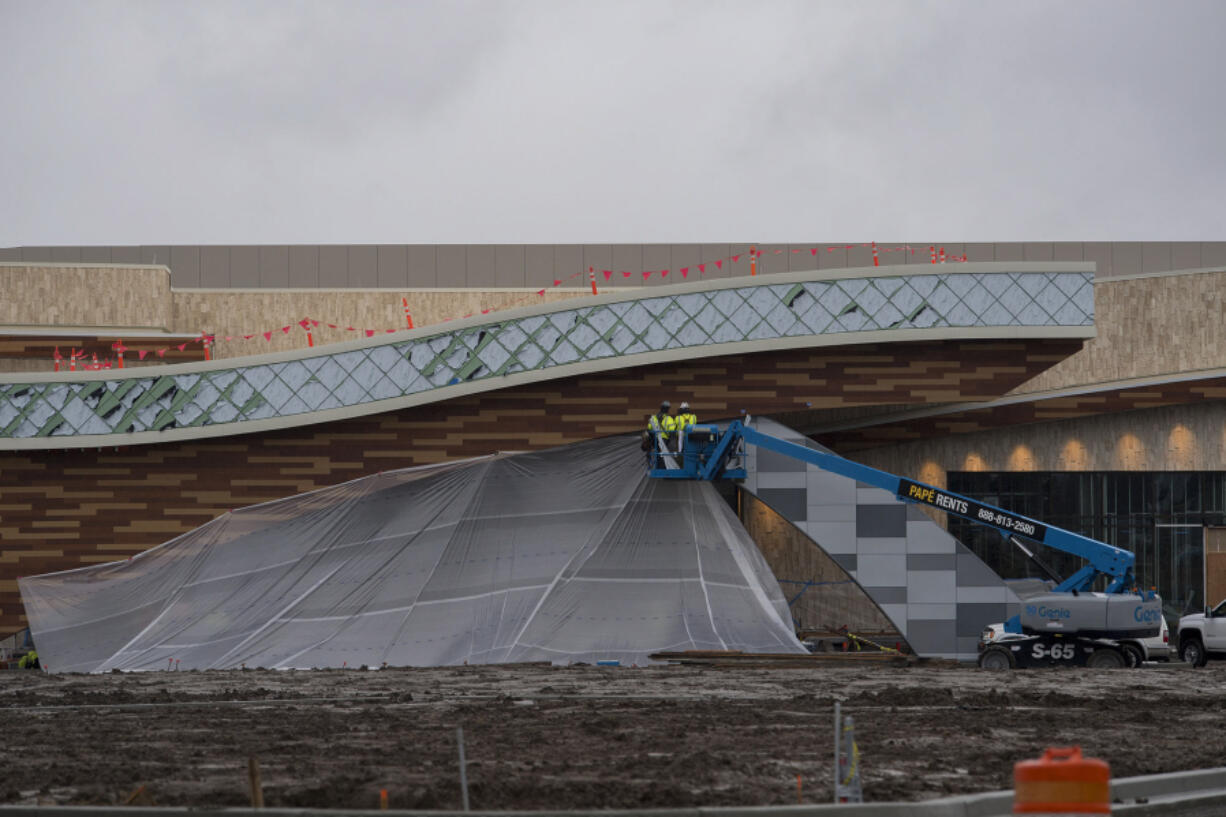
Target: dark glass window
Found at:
x=1159, y=516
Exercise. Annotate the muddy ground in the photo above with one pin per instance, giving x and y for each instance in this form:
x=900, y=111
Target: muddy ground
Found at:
x=582, y=737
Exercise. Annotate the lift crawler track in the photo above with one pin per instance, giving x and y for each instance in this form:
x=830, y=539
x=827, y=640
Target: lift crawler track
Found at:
x=1026, y=651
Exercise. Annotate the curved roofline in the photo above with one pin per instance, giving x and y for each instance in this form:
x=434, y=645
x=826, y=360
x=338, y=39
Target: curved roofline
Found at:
x=611, y=296
x=444, y=393
x=545, y=342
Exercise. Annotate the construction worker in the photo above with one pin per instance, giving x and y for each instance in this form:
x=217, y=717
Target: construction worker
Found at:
x=685, y=418
x=661, y=426
x=29, y=661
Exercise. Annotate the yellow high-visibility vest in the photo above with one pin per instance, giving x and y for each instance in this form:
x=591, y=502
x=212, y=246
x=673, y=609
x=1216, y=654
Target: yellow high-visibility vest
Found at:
x=662, y=424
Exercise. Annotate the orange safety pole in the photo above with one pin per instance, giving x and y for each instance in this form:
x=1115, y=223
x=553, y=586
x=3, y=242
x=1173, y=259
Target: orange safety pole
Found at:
x=72, y=361
x=876, y=263
x=57, y=358
x=591, y=273
x=207, y=352
x=408, y=318
x=933, y=252
x=310, y=338
x=942, y=255
x=119, y=347
x=753, y=260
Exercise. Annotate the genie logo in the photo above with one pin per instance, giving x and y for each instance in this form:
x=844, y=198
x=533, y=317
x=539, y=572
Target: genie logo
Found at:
x=1146, y=616
x=1043, y=611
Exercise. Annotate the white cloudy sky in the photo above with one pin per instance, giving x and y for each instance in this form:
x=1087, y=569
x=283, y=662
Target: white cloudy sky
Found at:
x=402, y=122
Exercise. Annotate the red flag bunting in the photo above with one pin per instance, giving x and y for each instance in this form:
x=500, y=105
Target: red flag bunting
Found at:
x=304, y=323
x=162, y=352
x=735, y=258
x=625, y=275
x=556, y=282
x=646, y=274
x=368, y=332
x=314, y=323
x=685, y=271
x=285, y=329
x=182, y=346
x=663, y=273
x=350, y=329
x=142, y=353
x=333, y=326
x=608, y=273
x=268, y=336
x=813, y=250
x=540, y=292
x=702, y=267
x=719, y=264
x=389, y=331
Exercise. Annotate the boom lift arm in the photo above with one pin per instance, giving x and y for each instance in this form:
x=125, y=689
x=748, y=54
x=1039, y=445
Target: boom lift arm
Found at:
x=710, y=455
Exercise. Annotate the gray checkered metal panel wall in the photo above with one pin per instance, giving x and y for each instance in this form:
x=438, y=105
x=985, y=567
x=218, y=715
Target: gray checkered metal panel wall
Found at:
x=936, y=592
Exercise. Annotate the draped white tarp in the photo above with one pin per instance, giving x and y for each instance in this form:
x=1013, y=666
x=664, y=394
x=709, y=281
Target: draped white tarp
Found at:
x=566, y=555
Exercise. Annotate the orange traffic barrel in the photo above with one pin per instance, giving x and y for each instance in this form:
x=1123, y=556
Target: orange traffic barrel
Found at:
x=1062, y=782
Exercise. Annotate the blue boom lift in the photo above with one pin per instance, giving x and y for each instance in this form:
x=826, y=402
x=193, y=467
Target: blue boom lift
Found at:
x=1071, y=625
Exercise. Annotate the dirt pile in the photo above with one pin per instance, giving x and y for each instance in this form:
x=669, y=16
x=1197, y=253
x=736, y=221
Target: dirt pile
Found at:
x=582, y=737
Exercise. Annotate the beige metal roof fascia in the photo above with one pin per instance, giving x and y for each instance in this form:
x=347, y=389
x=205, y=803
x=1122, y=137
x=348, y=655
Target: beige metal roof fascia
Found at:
x=1111, y=279
x=381, y=290
x=524, y=378
x=79, y=265
x=400, y=336
x=122, y=331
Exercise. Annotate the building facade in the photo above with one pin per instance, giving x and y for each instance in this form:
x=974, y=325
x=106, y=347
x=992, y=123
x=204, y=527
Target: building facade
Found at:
x=1081, y=382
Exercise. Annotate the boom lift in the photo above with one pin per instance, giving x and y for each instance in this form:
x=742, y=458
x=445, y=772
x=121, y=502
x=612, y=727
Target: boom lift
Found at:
x=1071, y=625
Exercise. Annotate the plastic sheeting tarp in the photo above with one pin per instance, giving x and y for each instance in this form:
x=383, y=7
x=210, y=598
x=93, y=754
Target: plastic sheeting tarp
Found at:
x=567, y=555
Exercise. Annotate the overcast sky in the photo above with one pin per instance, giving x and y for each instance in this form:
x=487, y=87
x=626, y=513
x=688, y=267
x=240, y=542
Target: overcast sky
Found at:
x=398, y=122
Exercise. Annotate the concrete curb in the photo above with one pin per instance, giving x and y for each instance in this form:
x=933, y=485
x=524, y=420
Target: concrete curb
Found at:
x=1191, y=793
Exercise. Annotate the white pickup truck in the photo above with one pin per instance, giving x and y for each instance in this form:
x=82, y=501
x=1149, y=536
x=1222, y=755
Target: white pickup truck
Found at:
x=1203, y=636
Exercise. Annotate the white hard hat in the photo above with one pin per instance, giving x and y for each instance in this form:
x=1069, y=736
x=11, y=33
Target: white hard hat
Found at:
x=684, y=405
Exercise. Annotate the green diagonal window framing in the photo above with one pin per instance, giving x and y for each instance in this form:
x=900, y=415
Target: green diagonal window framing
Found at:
x=759, y=310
